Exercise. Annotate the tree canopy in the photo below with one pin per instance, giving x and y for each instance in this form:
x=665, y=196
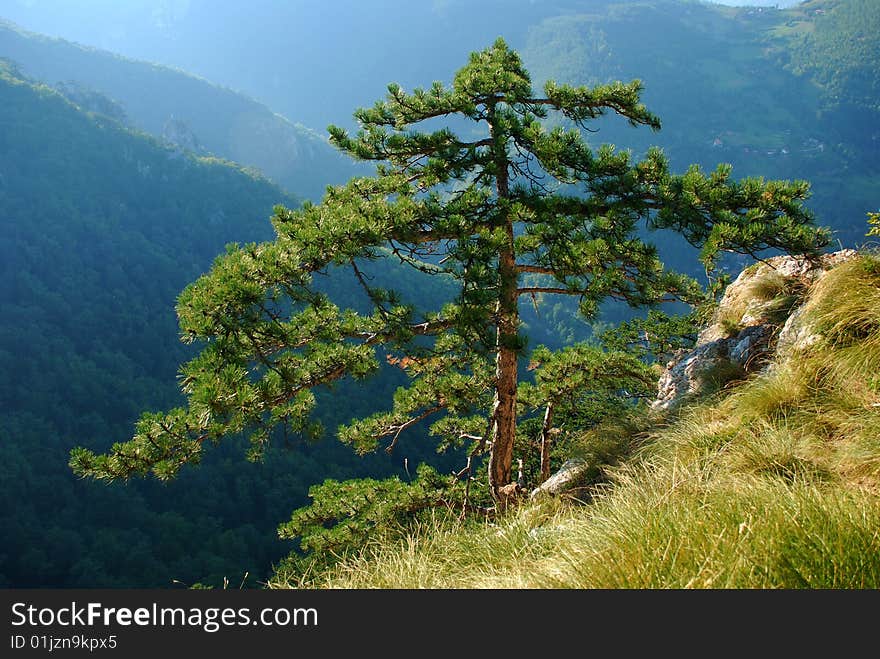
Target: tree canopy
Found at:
x=492, y=188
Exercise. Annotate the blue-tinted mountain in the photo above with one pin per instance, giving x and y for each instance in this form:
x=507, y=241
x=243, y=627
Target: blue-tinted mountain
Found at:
x=780, y=92
x=182, y=109
x=102, y=227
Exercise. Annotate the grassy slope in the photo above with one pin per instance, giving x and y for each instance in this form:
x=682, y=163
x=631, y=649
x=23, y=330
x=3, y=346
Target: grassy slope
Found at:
x=772, y=484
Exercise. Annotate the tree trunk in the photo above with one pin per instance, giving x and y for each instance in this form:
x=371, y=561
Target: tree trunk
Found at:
x=507, y=319
x=504, y=409
x=504, y=419
x=546, y=439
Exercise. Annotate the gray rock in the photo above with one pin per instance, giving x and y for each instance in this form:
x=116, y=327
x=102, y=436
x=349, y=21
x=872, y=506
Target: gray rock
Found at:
x=759, y=338
x=749, y=349
x=796, y=334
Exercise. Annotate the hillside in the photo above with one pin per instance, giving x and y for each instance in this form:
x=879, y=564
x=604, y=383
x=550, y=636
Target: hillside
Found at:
x=103, y=227
x=834, y=43
x=715, y=74
x=734, y=84
x=182, y=109
x=764, y=476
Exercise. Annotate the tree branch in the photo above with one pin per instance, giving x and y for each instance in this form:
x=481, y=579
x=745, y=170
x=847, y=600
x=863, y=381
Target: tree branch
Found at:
x=399, y=428
x=547, y=289
x=537, y=269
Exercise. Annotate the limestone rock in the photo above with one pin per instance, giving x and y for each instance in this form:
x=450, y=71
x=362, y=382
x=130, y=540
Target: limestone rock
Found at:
x=795, y=335
x=757, y=317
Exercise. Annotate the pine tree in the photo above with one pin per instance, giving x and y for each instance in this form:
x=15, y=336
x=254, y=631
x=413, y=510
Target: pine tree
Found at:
x=514, y=205
x=874, y=223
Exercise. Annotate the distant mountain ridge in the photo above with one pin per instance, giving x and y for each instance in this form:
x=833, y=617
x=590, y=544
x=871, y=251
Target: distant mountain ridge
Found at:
x=778, y=92
x=225, y=123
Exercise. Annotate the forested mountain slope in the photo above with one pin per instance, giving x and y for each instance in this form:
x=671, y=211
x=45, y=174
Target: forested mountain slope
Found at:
x=733, y=84
x=183, y=109
x=776, y=92
x=102, y=228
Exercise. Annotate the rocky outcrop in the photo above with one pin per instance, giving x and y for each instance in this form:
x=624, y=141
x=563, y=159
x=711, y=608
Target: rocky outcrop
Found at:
x=758, y=319
x=179, y=134
x=758, y=316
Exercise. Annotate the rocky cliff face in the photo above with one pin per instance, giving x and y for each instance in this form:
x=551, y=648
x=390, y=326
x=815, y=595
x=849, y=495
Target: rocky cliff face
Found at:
x=759, y=317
